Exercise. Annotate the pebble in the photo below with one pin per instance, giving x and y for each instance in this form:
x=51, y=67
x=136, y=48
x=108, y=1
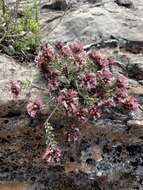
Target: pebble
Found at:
x=137, y=123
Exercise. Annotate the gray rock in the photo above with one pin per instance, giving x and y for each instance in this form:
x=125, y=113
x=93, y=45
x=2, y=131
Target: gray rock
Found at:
x=136, y=123
x=90, y=24
x=140, y=82
x=135, y=70
x=26, y=76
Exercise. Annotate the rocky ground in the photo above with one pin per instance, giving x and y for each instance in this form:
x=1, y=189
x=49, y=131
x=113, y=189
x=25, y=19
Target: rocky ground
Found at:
x=109, y=155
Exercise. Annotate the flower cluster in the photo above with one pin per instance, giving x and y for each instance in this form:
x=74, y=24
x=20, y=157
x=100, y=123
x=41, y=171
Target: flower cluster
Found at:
x=33, y=107
x=45, y=55
x=99, y=59
x=122, y=97
x=69, y=100
x=52, y=79
x=88, y=80
x=131, y=104
x=106, y=76
x=80, y=59
x=52, y=154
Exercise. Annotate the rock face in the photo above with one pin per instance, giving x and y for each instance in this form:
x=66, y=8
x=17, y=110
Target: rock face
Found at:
x=91, y=22
x=26, y=75
x=109, y=155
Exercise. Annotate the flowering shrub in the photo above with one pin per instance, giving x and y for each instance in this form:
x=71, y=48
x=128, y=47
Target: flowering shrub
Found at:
x=83, y=87
x=82, y=82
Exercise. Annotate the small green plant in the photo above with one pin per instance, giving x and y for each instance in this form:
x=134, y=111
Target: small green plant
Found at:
x=20, y=33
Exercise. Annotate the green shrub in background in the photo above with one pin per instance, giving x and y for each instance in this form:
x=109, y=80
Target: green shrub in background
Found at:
x=20, y=34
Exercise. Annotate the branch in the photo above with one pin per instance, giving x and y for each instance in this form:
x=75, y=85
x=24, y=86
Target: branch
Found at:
x=3, y=7
x=54, y=110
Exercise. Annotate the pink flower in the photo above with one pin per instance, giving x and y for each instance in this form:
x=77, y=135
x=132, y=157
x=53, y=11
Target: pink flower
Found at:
x=106, y=75
x=95, y=111
x=98, y=59
x=53, y=84
x=80, y=59
x=33, y=107
x=73, y=134
x=101, y=61
x=76, y=47
x=45, y=55
x=122, y=82
x=81, y=114
x=68, y=99
x=66, y=51
x=120, y=95
x=53, y=80
x=92, y=54
x=14, y=88
x=52, y=154
x=88, y=80
x=131, y=104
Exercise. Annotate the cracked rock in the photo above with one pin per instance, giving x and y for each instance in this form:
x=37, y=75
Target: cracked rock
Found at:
x=125, y=3
x=57, y=5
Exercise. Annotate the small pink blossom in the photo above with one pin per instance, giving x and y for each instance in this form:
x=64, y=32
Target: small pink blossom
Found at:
x=93, y=54
x=80, y=59
x=88, y=80
x=33, y=107
x=52, y=154
x=14, y=88
x=122, y=82
x=66, y=51
x=76, y=47
x=95, y=111
x=131, y=104
x=81, y=114
x=73, y=134
x=68, y=99
x=53, y=80
x=120, y=95
x=106, y=75
x=101, y=61
x=45, y=55
x=98, y=59
x=53, y=84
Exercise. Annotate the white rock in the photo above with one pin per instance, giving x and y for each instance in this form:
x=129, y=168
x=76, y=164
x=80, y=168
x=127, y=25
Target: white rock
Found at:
x=136, y=123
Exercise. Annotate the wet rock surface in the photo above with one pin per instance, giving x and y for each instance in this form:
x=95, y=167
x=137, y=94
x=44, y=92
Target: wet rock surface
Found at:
x=109, y=155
